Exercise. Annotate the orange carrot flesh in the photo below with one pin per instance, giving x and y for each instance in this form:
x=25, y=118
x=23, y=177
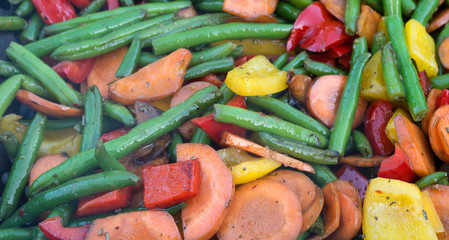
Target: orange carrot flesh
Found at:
x=443, y=132
x=310, y=215
x=438, y=20
x=432, y=105
x=233, y=140
x=331, y=210
x=367, y=23
x=434, y=139
x=439, y=195
x=443, y=53
x=262, y=209
x=48, y=108
x=336, y=8
x=249, y=8
x=205, y=213
x=44, y=164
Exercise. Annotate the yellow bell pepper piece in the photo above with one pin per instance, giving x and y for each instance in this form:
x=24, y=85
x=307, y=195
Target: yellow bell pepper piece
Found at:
x=256, y=77
x=373, y=83
x=382, y=27
x=390, y=130
x=432, y=214
x=245, y=168
x=421, y=47
x=393, y=209
x=259, y=46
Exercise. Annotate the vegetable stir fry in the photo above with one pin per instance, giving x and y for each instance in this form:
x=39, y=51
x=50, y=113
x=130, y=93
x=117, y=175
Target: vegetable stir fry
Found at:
x=224, y=119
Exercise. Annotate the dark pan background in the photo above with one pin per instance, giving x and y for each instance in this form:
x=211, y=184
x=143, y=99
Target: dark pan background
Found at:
x=6, y=9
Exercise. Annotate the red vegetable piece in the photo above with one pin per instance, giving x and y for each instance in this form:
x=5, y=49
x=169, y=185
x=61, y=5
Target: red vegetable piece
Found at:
x=317, y=30
x=54, y=11
x=114, y=134
x=397, y=167
x=53, y=230
x=443, y=98
x=324, y=58
x=169, y=184
x=345, y=60
x=352, y=175
x=104, y=202
x=340, y=50
x=243, y=59
x=80, y=4
x=424, y=82
x=210, y=78
x=76, y=71
x=112, y=4
x=216, y=129
x=377, y=116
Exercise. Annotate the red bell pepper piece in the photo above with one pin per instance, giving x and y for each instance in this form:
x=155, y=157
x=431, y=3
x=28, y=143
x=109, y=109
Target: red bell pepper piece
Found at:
x=54, y=11
x=424, y=82
x=345, y=60
x=80, y=4
x=323, y=58
x=340, y=50
x=243, y=59
x=169, y=184
x=443, y=98
x=53, y=230
x=397, y=167
x=210, y=78
x=377, y=116
x=112, y=4
x=317, y=30
x=104, y=202
x=216, y=129
x=114, y=134
x=76, y=71
x=352, y=175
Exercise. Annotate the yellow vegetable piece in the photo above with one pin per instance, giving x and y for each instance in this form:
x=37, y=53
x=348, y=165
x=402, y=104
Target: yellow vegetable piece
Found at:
x=373, y=83
x=421, y=47
x=393, y=209
x=390, y=130
x=432, y=214
x=162, y=104
x=382, y=27
x=259, y=46
x=256, y=77
x=245, y=168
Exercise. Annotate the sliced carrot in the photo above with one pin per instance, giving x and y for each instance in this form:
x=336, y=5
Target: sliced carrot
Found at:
x=434, y=139
x=443, y=53
x=324, y=96
x=359, y=161
x=439, y=195
x=350, y=190
x=48, y=108
x=44, y=164
x=104, y=69
x=153, y=82
x=415, y=145
x=298, y=85
x=310, y=215
x=150, y=224
x=232, y=140
x=249, y=8
x=350, y=218
x=438, y=20
x=331, y=210
x=262, y=209
x=205, y=213
x=336, y=8
x=443, y=132
x=432, y=105
x=367, y=23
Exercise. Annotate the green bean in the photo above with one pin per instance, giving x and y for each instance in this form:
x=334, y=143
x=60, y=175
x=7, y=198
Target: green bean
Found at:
x=93, y=119
x=146, y=58
x=443, y=181
x=24, y=9
x=317, y=227
x=127, y=2
x=119, y=113
x=31, y=85
x=15, y=2
x=359, y=46
x=42, y=72
x=416, y=101
x=352, y=12
x=8, y=89
x=376, y=5
x=93, y=7
x=289, y=113
x=296, y=149
x=378, y=42
x=424, y=11
x=228, y=94
x=32, y=29
x=256, y=122
x=21, y=167
x=63, y=211
x=287, y=11
x=392, y=7
x=105, y=160
x=348, y=104
x=443, y=34
x=226, y=31
x=303, y=236
x=407, y=7
x=175, y=209
x=281, y=61
x=430, y=179
x=10, y=144
x=177, y=139
x=323, y=175
x=219, y=51
x=129, y=63
x=151, y=9
x=350, y=147
x=57, y=124
x=238, y=52
x=215, y=66
x=320, y=69
x=145, y=132
x=110, y=124
x=199, y=136
x=71, y=190
x=16, y=233
x=362, y=144
x=296, y=62
x=440, y=82
x=301, y=3
x=11, y=23
x=8, y=69
x=90, y=31
x=107, y=43
x=390, y=71
x=210, y=6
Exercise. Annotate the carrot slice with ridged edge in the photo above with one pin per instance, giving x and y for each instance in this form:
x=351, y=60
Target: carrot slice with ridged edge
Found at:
x=310, y=215
x=434, y=140
x=432, y=105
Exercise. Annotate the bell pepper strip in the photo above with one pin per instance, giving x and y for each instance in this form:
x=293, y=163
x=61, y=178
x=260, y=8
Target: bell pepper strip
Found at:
x=339, y=50
x=397, y=167
x=54, y=230
x=393, y=209
x=215, y=129
x=54, y=11
x=323, y=58
x=345, y=61
x=80, y=4
x=373, y=82
x=390, y=130
x=114, y=134
x=377, y=116
x=354, y=176
x=104, y=202
x=431, y=212
x=317, y=30
x=76, y=71
x=170, y=184
x=112, y=4
x=424, y=82
x=443, y=98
